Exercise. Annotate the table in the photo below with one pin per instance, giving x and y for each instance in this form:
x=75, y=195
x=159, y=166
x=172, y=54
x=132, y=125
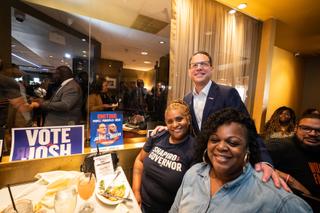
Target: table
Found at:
x=40, y=190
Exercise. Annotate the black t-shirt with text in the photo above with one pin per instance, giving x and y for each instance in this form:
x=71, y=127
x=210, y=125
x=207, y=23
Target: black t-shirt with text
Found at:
x=163, y=171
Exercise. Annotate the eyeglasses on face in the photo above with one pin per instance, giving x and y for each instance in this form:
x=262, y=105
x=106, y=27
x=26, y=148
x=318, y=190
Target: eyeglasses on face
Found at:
x=202, y=64
x=309, y=129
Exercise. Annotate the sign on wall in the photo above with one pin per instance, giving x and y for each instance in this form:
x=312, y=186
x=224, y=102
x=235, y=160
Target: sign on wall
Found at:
x=44, y=142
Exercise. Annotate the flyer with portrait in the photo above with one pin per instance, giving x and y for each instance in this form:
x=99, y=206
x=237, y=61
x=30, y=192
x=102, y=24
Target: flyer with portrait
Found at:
x=106, y=130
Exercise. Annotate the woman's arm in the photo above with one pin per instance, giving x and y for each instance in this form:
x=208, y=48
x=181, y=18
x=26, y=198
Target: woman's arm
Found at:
x=137, y=175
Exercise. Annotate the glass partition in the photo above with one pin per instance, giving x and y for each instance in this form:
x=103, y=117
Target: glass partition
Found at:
x=110, y=62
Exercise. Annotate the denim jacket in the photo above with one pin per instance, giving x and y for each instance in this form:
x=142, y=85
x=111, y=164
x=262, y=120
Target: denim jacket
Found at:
x=247, y=193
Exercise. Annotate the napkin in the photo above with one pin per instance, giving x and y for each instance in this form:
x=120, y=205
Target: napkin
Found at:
x=54, y=176
x=55, y=181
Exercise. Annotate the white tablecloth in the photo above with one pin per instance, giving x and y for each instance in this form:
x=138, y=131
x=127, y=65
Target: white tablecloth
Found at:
x=39, y=190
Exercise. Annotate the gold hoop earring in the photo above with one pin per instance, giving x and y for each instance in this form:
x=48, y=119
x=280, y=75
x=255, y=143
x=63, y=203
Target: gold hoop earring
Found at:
x=246, y=158
x=205, y=153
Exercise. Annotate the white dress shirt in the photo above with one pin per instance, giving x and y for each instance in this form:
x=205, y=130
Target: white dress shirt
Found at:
x=199, y=101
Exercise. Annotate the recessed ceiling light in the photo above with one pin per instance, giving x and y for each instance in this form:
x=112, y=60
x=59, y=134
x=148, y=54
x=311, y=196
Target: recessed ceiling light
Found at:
x=50, y=56
x=144, y=53
x=162, y=42
x=242, y=6
x=83, y=51
x=83, y=39
x=232, y=11
x=62, y=61
x=67, y=55
x=147, y=62
x=84, y=55
x=13, y=45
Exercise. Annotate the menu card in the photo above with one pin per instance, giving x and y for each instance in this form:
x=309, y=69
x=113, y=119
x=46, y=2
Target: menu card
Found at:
x=103, y=166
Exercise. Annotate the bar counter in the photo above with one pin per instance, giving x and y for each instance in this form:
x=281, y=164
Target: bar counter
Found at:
x=24, y=171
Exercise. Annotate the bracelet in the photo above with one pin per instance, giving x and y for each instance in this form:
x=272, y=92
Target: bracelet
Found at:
x=287, y=178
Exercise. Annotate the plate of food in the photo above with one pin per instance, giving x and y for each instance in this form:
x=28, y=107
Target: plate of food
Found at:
x=112, y=194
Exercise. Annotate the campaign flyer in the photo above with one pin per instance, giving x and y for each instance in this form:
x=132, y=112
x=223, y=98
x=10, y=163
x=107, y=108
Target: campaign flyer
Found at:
x=43, y=142
x=106, y=130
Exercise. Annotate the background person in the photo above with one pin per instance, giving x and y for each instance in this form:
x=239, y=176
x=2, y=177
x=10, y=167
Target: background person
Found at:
x=226, y=182
x=299, y=158
x=159, y=167
x=10, y=92
x=64, y=107
x=17, y=118
x=311, y=111
x=138, y=98
x=94, y=101
x=281, y=124
x=109, y=101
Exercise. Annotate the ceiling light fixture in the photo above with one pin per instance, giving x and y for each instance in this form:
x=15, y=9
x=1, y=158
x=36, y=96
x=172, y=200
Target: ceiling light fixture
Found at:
x=147, y=62
x=162, y=42
x=242, y=6
x=50, y=56
x=84, y=55
x=25, y=60
x=83, y=51
x=67, y=55
x=232, y=11
x=144, y=53
x=83, y=39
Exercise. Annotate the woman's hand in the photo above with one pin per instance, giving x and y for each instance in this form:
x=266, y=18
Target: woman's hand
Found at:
x=268, y=172
x=158, y=129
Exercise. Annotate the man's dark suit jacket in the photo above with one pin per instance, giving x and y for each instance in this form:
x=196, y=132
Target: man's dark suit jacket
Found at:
x=64, y=107
x=220, y=97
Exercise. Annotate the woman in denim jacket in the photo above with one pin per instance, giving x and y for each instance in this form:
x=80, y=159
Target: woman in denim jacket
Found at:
x=225, y=181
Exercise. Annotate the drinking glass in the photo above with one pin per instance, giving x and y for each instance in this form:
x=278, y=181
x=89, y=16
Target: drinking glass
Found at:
x=86, y=186
x=23, y=206
x=65, y=200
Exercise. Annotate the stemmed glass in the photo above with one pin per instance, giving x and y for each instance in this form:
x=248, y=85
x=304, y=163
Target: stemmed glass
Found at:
x=86, y=186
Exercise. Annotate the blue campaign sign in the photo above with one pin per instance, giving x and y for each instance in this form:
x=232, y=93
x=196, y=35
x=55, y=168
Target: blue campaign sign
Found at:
x=106, y=130
x=44, y=142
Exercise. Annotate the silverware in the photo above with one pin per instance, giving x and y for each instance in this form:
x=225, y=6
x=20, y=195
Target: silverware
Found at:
x=114, y=178
x=106, y=194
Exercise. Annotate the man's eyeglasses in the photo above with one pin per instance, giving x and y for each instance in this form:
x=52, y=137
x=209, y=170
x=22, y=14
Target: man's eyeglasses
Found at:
x=203, y=64
x=309, y=129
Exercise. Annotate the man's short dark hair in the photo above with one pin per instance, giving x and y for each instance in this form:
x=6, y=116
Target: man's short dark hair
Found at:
x=203, y=53
x=310, y=115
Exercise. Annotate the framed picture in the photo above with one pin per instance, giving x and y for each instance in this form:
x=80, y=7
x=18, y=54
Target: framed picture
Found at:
x=112, y=82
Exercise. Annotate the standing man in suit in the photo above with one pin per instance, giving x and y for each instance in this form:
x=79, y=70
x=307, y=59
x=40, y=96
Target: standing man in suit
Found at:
x=208, y=97
x=64, y=107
